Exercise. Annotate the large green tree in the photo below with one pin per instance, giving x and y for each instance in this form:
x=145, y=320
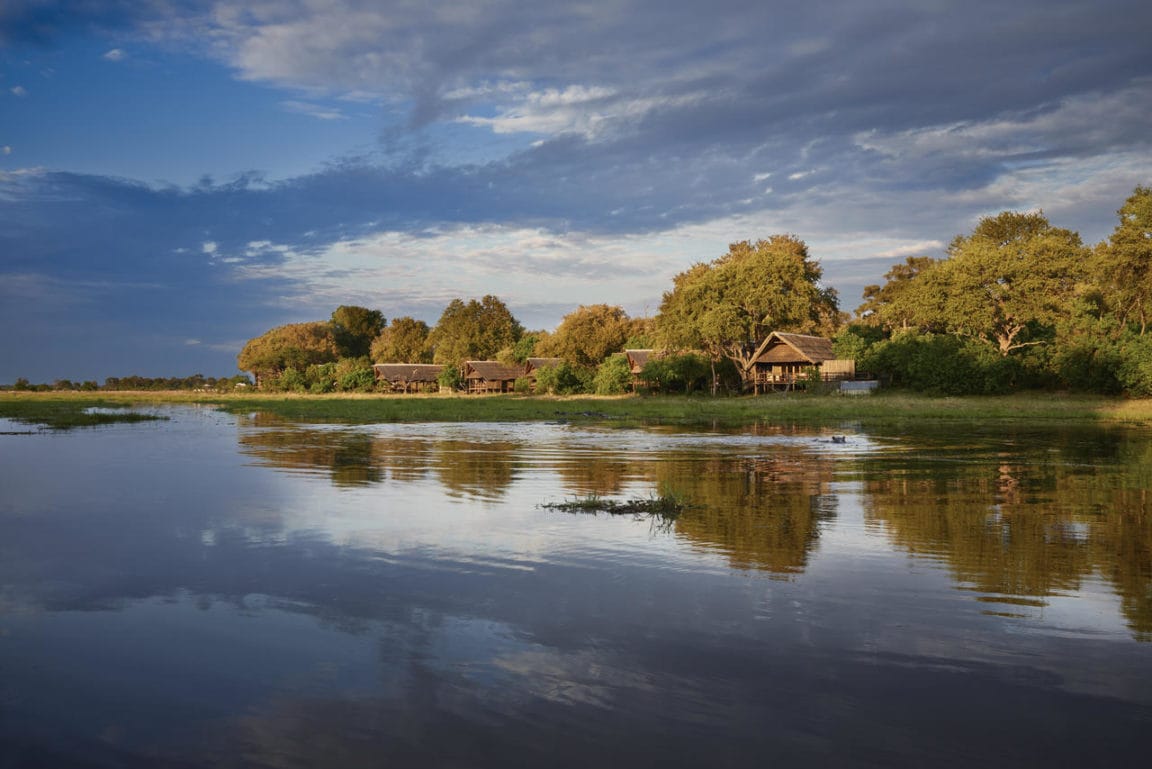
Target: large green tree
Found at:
x=354, y=328
x=589, y=334
x=1125, y=262
x=727, y=306
x=1013, y=277
x=404, y=341
x=473, y=330
x=296, y=345
x=898, y=304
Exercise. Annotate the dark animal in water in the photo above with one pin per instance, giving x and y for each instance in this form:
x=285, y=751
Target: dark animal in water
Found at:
x=839, y=438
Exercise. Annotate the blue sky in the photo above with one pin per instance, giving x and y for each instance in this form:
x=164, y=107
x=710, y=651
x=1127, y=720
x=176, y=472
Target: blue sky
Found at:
x=177, y=176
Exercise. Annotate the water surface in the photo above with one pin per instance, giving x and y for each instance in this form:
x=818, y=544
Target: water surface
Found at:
x=244, y=591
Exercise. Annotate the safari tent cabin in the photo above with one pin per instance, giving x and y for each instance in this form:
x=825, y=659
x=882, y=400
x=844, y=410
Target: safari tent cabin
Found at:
x=489, y=376
x=782, y=360
x=408, y=377
x=637, y=360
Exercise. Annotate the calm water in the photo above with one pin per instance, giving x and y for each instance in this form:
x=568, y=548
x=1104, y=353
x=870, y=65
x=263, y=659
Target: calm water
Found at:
x=220, y=591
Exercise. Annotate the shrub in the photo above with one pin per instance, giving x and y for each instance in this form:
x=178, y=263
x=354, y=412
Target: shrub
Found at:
x=613, y=376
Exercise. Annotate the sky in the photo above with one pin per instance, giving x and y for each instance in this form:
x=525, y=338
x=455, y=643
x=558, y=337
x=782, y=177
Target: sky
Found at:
x=178, y=176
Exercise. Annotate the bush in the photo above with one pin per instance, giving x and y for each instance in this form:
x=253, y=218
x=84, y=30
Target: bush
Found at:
x=564, y=379
x=1135, y=370
x=613, y=376
x=678, y=373
x=942, y=364
x=451, y=378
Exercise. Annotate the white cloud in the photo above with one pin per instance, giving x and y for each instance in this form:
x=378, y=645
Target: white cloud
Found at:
x=208, y=247
x=6, y=150
x=312, y=110
x=18, y=90
x=116, y=54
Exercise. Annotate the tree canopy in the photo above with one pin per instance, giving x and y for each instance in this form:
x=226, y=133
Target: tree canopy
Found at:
x=589, y=334
x=1125, y=262
x=727, y=306
x=1015, y=272
x=354, y=329
x=475, y=330
x=404, y=341
x=295, y=345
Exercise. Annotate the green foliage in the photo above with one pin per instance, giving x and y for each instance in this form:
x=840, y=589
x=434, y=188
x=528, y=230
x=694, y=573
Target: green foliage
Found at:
x=1014, y=275
x=613, y=376
x=296, y=345
x=678, y=373
x=451, y=378
x=727, y=306
x=1135, y=371
x=354, y=328
x=522, y=385
x=854, y=340
x=899, y=304
x=525, y=347
x=404, y=341
x=564, y=379
x=941, y=364
x=1125, y=262
x=589, y=334
x=473, y=331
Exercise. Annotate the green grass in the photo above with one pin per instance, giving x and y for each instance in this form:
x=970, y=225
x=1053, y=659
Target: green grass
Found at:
x=62, y=413
x=45, y=408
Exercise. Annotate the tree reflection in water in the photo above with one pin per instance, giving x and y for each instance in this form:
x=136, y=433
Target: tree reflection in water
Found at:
x=1017, y=519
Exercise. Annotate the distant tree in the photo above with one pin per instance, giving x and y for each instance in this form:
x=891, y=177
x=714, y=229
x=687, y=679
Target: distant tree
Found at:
x=898, y=304
x=725, y=307
x=1125, y=262
x=475, y=330
x=354, y=328
x=296, y=345
x=1014, y=276
x=404, y=341
x=589, y=334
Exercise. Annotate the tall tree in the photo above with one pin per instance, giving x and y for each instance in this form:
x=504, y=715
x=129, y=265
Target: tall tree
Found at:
x=898, y=304
x=354, y=328
x=1014, y=275
x=589, y=334
x=727, y=306
x=473, y=331
x=1125, y=262
x=296, y=345
x=404, y=341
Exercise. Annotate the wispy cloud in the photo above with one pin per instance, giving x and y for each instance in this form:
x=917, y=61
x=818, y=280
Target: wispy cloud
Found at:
x=115, y=54
x=313, y=110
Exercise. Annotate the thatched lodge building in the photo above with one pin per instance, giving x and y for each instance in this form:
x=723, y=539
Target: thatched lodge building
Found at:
x=408, y=377
x=783, y=360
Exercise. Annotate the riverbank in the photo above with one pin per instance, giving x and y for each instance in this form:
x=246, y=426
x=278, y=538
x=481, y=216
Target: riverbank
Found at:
x=71, y=409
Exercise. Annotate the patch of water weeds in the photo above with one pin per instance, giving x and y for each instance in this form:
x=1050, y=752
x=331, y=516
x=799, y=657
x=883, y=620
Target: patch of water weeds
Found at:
x=662, y=509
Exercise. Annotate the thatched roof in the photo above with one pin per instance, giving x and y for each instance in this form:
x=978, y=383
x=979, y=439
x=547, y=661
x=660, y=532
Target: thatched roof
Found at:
x=406, y=373
x=491, y=370
x=637, y=359
x=798, y=348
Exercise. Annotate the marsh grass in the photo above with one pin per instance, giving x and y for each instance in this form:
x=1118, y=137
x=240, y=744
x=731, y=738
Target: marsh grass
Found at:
x=662, y=508
x=624, y=411
x=67, y=414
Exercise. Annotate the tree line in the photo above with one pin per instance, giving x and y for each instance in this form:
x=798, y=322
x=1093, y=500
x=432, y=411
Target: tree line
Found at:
x=1017, y=303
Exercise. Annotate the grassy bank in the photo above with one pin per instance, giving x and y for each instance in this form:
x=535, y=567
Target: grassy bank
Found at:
x=56, y=409
x=64, y=411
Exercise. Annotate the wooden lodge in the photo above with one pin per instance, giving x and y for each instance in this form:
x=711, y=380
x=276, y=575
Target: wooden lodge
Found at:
x=489, y=376
x=784, y=360
x=637, y=360
x=408, y=377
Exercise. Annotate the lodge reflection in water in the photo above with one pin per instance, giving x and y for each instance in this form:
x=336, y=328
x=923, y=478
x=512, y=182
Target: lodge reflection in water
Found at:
x=1017, y=525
